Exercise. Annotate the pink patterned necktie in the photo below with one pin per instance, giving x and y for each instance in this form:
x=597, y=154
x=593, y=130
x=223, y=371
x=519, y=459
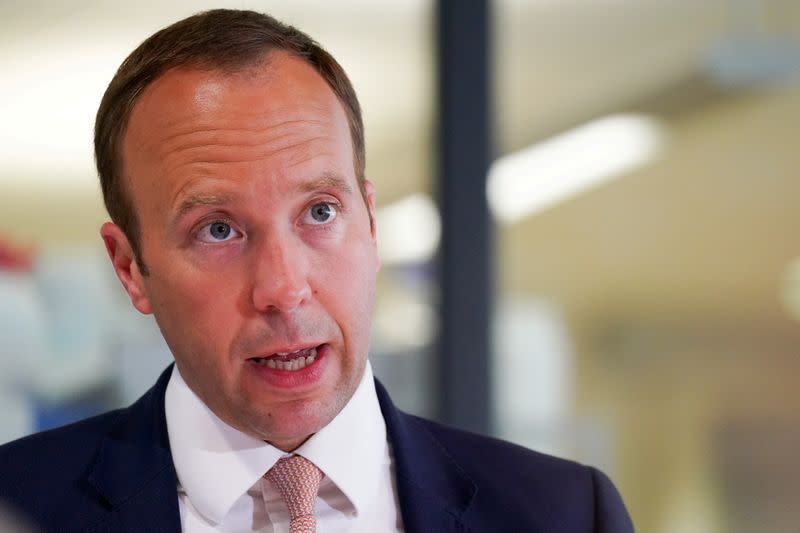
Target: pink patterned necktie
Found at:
x=297, y=479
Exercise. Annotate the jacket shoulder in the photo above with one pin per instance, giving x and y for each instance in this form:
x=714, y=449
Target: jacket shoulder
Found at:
x=43, y=460
x=43, y=477
x=513, y=480
x=485, y=458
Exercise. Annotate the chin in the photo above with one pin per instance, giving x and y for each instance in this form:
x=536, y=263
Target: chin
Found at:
x=293, y=423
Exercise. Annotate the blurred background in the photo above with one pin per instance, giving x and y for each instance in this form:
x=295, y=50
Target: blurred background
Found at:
x=644, y=252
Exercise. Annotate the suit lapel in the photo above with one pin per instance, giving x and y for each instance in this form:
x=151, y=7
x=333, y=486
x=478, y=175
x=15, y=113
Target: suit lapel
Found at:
x=434, y=492
x=133, y=475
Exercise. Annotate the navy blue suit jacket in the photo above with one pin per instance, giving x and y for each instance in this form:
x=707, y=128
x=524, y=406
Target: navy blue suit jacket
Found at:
x=114, y=473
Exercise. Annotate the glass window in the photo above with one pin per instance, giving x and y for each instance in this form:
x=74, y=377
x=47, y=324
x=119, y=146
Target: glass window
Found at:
x=647, y=255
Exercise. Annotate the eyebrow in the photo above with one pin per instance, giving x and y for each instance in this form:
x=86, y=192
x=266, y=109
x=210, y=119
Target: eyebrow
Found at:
x=328, y=180
x=202, y=200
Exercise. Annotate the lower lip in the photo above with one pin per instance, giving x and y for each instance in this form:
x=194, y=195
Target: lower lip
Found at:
x=306, y=377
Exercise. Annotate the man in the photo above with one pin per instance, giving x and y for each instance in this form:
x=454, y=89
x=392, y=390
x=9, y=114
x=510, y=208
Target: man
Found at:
x=230, y=150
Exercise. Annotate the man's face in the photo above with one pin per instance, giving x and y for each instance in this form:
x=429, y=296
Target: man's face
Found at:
x=261, y=257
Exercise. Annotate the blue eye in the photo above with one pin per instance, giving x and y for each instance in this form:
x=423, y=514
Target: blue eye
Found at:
x=217, y=231
x=321, y=213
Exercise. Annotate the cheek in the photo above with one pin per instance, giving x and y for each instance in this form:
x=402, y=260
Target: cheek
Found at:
x=195, y=310
x=191, y=293
x=346, y=286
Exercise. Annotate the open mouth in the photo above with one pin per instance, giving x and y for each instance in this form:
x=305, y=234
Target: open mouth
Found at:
x=289, y=361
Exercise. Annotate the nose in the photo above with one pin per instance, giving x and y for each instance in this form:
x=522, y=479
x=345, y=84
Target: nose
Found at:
x=281, y=275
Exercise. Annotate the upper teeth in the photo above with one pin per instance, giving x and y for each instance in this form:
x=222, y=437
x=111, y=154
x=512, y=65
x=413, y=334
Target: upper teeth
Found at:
x=293, y=364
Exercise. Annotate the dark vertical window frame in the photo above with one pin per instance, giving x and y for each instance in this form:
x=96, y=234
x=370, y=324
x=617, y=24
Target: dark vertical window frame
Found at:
x=466, y=256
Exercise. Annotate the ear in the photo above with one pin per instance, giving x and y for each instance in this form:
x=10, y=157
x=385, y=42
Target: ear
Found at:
x=369, y=188
x=124, y=262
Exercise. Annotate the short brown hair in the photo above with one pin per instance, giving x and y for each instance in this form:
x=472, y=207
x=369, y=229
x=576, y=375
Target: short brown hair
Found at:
x=221, y=39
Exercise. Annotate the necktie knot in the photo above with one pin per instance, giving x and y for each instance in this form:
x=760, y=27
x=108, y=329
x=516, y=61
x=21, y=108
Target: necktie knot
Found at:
x=297, y=480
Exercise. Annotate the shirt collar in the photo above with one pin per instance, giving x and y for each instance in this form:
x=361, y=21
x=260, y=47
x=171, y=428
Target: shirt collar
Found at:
x=216, y=464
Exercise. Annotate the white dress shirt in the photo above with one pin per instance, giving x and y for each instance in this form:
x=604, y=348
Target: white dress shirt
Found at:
x=220, y=469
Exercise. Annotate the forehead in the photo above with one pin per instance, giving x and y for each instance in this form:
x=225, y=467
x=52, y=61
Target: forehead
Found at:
x=281, y=84
x=281, y=111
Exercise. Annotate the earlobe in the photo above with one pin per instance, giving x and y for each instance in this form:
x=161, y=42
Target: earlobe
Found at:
x=123, y=260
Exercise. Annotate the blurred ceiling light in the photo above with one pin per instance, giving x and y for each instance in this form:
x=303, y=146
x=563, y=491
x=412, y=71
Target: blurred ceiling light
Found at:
x=408, y=230
x=538, y=177
x=790, y=293
x=49, y=98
